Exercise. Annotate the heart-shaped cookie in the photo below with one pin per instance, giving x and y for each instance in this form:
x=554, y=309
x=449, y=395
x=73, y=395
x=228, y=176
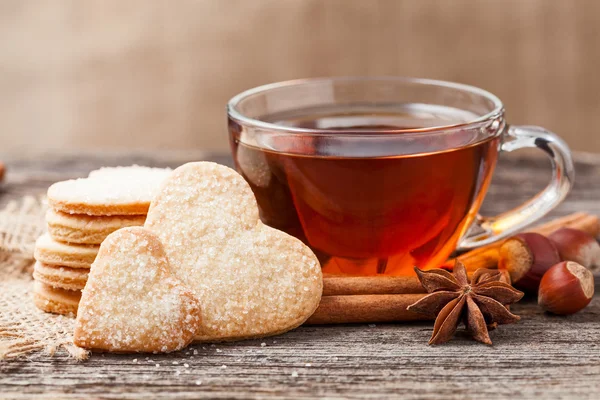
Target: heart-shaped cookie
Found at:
x=252, y=280
x=131, y=302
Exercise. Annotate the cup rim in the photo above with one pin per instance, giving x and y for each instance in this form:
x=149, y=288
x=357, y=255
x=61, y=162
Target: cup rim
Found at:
x=256, y=123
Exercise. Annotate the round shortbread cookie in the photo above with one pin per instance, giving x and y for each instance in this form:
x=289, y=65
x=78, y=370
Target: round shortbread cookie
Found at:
x=60, y=277
x=49, y=251
x=108, y=191
x=53, y=300
x=86, y=229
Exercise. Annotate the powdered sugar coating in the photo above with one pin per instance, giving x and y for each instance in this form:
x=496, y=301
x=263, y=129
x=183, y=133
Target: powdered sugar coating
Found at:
x=131, y=302
x=108, y=191
x=49, y=251
x=131, y=171
x=252, y=280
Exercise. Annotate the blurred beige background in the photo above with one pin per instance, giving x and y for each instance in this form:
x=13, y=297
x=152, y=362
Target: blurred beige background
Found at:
x=154, y=74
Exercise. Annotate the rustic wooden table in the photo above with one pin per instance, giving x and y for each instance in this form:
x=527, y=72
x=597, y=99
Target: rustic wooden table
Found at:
x=540, y=357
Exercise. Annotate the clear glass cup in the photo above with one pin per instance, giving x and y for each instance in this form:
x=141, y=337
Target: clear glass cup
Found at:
x=379, y=174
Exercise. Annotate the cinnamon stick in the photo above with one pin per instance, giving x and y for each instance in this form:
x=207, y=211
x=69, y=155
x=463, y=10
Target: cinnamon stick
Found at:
x=339, y=285
x=579, y=220
x=336, y=285
x=366, y=308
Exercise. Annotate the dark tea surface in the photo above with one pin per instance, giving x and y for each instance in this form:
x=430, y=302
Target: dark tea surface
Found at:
x=362, y=214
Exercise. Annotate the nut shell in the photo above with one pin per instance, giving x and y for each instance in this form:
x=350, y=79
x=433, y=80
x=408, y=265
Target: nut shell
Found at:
x=576, y=245
x=566, y=288
x=527, y=257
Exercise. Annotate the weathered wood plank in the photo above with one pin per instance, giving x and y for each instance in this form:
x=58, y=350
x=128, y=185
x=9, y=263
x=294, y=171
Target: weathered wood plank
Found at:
x=542, y=356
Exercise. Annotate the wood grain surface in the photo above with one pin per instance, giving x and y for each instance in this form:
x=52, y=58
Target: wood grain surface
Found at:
x=540, y=357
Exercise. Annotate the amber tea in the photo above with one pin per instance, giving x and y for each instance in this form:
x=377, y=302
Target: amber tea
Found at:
x=360, y=212
x=381, y=174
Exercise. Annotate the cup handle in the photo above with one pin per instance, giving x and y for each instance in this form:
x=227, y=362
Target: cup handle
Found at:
x=492, y=229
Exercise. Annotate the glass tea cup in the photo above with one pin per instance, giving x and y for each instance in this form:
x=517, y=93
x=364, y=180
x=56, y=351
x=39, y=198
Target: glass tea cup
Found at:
x=380, y=174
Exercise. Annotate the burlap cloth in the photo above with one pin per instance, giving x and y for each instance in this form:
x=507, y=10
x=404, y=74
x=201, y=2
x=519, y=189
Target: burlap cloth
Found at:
x=23, y=328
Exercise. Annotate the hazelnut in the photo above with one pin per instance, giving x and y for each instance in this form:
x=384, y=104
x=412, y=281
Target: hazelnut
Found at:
x=566, y=288
x=576, y=245
x=527, y=257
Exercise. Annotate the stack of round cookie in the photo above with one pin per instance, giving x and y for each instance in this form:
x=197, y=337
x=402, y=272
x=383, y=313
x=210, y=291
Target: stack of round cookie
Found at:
x=83, y=212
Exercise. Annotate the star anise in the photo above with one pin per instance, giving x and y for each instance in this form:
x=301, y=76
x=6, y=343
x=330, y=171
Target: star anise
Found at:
x=480, y=303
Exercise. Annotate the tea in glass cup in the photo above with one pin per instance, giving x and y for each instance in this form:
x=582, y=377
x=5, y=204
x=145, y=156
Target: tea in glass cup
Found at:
x=376, y=175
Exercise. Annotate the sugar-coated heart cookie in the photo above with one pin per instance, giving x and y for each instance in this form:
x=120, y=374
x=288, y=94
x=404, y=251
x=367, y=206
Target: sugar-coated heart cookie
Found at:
x=131, y=302
x=252, y=280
